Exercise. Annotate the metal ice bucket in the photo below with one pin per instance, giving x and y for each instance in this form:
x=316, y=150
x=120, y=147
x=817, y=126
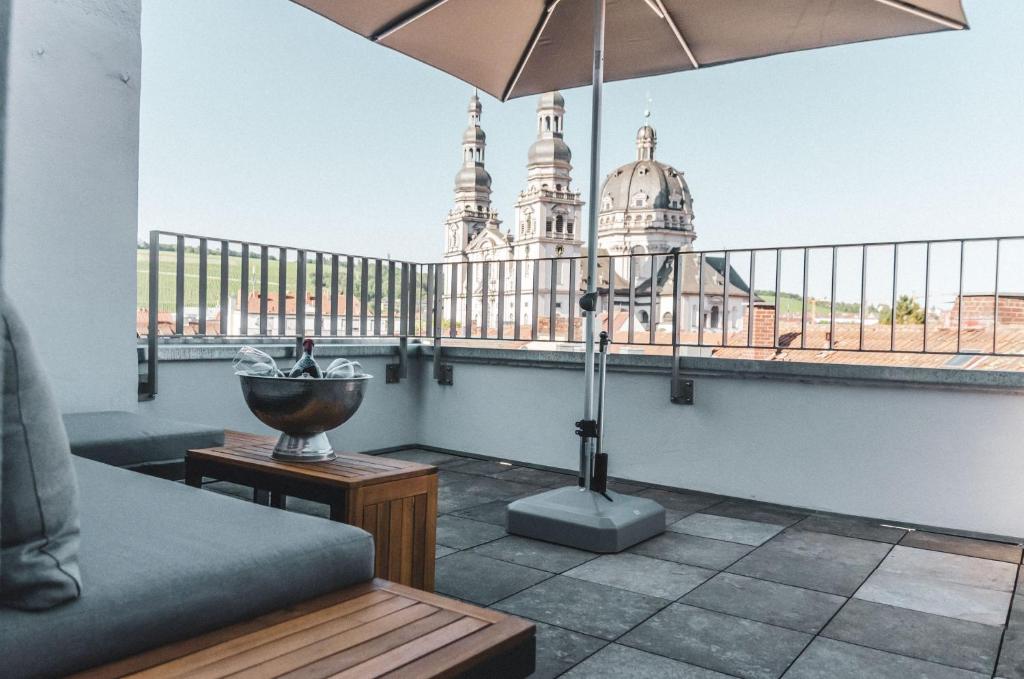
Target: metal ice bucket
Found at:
x=303, y=410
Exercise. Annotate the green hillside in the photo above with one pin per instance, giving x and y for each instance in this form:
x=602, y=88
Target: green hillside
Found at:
x=168, y=273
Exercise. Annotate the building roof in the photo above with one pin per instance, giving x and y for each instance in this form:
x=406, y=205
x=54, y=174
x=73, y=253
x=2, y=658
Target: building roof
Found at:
x=652, y=184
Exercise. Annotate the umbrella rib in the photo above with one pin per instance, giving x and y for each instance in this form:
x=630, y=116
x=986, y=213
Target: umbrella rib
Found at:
x=406, y=19
x=923, y=14
x=537, y=32
x=675, y=31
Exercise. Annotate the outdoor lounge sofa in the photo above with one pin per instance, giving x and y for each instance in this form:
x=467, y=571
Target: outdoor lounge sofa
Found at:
x=154, y=445
x=162, y=562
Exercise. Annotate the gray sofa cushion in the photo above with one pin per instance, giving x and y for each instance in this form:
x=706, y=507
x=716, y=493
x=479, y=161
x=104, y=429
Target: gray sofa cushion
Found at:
x=163, y=562
x=128, y=439
x=39, y=496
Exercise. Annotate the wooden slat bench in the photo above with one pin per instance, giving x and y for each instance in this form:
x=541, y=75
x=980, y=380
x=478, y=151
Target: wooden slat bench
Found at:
x=375, y=629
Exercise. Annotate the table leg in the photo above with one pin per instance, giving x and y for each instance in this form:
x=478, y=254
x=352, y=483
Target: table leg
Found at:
x=278, y=500
x=193, y=475
x=260, y=496
x=338, y=510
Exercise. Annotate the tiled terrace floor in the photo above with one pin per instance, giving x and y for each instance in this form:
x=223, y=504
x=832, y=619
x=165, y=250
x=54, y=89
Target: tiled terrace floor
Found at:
x=732, y=588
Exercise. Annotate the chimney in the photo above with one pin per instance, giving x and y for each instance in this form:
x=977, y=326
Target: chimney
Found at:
x=764, y=324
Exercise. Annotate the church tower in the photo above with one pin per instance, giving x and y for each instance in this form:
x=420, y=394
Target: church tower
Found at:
x=472, y=212
x=548, y=212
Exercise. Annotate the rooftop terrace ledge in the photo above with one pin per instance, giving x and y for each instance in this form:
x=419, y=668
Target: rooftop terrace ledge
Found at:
x=195, y=349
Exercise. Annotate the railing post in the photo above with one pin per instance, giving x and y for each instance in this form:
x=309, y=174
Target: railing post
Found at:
x=680, y=391
x=152, y=339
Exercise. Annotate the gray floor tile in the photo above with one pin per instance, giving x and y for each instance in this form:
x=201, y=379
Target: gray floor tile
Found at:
x=626, y=487
x=534, y=553
x=948, y=641
x=441, y=550
x=1017, y=607
x=1011, y=657
x=622, y=662
x=559, y=649
x=680, y=501
x=481, y=580
x=425, y=457
x=956, y=586
x=830, y=659
x=482, y=467
x=820, y=561
x=582, y=606
x=231, y=489
x=467, y=490
x=795, y=608
x=641, y=574
x=758, y=511
x=488, y=512
x=460, y=533
x=297, y=504
x=693, y=550
x=536, y=477
x=851, y=527
x=725, y=643
x=726, y=528
x=983, y=549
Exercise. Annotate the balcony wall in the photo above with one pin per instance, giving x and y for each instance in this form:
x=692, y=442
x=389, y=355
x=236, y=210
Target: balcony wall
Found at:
x=921, y=447
x=71, y=191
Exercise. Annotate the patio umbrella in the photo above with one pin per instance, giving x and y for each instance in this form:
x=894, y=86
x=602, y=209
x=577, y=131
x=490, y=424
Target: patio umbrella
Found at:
x=515, y=48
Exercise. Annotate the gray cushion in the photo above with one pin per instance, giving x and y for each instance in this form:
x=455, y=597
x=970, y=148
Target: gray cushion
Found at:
x=39, y=496
x=164, y=562
x=132, y=439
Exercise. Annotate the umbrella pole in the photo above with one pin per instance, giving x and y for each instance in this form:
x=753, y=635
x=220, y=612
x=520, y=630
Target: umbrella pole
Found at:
x=587, y=449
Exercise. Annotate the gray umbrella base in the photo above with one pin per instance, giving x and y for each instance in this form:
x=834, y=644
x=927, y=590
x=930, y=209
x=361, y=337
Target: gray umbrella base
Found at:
x=586, y=520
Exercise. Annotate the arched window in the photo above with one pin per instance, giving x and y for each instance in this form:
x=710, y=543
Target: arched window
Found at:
x=548, y=225
x=559, y=224
x=568, y=228
x=547, y=123
x=714, y=316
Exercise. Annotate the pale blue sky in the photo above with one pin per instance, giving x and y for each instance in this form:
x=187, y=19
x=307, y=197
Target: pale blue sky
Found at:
x=263, y=121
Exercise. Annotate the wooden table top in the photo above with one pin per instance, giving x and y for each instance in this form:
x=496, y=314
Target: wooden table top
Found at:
x=349, y=470
x=370, y=630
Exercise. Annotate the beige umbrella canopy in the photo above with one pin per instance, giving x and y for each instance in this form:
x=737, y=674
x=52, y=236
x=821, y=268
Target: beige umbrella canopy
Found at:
x=514, y=48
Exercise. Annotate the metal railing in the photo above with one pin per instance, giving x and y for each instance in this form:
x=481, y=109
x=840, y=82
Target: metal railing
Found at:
x=950, y=296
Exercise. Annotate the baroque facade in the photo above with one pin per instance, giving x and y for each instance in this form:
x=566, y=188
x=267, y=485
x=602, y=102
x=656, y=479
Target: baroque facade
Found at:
x=646, y=213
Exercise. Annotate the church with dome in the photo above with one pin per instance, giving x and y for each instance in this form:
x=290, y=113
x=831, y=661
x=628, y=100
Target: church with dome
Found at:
x=646, y=209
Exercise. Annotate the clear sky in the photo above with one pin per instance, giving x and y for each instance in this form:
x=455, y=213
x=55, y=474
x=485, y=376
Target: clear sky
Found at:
x=263, y=121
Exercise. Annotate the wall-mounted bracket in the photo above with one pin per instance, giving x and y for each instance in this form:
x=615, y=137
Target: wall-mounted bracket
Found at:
x=394, y=372
x=444, y=373
x=682, y=391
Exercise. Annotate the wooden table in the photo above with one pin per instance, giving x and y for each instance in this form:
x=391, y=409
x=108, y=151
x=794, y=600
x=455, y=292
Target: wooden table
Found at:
x=394, y=500
x=373, y=629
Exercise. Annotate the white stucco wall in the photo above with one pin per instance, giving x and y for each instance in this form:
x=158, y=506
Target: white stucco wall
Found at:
x=208, y=392
x=71, y=187
x=938, y=457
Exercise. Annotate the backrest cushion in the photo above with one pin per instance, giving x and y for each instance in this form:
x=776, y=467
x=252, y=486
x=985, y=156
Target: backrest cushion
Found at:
x=39, y=493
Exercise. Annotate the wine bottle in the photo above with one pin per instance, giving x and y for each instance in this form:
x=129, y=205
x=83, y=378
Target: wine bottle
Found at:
x=306, y=365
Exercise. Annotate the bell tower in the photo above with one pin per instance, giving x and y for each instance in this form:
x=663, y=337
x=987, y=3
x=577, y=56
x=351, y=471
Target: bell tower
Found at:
x=548, y=212
x=472, y=209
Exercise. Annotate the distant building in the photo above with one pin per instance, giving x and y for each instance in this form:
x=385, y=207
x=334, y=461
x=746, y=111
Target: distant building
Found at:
x=646, y=210
x=291, y=314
